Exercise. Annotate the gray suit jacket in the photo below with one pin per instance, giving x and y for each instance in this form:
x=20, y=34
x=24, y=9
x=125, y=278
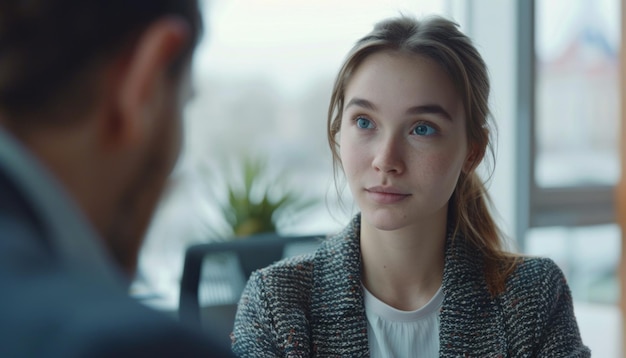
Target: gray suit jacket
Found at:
x=60, y=295
x=312, y=306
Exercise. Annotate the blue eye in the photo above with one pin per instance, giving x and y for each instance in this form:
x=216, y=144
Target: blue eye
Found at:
x=424, y=130
x=364, y=123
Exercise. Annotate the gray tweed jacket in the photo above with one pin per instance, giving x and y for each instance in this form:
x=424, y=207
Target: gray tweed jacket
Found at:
x=312, y=306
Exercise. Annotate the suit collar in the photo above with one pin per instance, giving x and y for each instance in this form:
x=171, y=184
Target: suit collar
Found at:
x=68, y=232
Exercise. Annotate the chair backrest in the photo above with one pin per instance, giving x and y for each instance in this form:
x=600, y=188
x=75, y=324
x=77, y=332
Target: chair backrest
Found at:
x=252, y=253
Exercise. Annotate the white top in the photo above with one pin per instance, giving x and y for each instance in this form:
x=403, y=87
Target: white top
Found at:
x=395, y=333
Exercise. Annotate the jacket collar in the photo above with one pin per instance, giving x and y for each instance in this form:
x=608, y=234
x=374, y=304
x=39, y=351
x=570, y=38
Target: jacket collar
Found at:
x=470, y=319
x=69, y=233
x=338, y=321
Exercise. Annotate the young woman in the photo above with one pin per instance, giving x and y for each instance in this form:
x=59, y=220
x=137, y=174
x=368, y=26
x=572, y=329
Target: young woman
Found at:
x=421, y=270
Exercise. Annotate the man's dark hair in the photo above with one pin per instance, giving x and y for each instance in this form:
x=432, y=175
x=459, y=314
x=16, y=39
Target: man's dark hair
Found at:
x=48, y=46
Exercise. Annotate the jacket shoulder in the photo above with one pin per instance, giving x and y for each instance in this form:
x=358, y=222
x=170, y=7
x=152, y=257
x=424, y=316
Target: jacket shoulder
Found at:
x=123, y=328
x=539, y=312
x=272, y=315
x=291, y=276
x=50, y=312
x=539, y=275
x=537, y=284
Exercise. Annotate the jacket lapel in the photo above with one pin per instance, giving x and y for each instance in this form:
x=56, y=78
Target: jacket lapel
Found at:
x=470, y=320
x=338, y=321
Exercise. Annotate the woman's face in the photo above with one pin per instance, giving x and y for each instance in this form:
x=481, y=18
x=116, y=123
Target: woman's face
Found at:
x=402, y=140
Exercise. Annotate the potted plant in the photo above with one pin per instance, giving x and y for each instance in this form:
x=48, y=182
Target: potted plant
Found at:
x=256, y=200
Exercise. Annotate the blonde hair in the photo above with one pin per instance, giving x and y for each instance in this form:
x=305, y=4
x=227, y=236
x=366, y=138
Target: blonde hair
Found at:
x=440, y=40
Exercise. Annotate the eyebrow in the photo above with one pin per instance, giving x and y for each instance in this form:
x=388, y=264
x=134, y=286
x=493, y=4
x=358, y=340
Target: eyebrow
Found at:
x=415, y=110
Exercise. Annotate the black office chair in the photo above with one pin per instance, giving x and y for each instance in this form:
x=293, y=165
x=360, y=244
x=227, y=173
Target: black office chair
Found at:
x=247, y=254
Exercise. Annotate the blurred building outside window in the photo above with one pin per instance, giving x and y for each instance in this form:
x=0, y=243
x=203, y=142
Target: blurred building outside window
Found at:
x=577, y=92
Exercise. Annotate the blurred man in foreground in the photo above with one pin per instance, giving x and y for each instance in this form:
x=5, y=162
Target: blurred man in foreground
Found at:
x=91, y=93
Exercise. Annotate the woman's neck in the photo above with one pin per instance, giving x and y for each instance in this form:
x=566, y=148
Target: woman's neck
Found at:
x=403, y=268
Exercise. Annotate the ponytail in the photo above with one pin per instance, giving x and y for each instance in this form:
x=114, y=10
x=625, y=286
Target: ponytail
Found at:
x=469, y=210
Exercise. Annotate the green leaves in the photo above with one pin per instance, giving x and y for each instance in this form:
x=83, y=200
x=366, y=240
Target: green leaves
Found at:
x=257, y=200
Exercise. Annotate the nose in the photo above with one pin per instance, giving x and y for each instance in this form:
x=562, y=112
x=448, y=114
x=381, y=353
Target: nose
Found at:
x=389, y=156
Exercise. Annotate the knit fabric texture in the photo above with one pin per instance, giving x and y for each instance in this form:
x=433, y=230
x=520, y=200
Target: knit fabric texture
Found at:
x=312, y=306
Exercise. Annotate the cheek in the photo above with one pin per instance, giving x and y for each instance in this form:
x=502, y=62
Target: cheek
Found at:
x=352, y=157
x=444, y=170
x=176, y=140
x=171, y=141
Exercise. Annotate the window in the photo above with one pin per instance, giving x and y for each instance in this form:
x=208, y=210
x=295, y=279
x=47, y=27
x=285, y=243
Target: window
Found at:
x=569, y=106
x=577, y=93
x=576, y=154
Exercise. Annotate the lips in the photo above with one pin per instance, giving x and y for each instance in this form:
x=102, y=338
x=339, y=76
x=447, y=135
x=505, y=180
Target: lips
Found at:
x=386, y=195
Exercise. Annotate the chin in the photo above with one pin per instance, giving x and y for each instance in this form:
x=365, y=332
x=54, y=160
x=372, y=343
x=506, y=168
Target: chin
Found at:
x=385, y=220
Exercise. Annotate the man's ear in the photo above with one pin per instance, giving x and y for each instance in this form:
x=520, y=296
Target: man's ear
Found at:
x=474, y=157
x=144, y=77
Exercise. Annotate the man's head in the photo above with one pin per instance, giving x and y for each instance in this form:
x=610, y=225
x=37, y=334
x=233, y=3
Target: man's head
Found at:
x=94, y=88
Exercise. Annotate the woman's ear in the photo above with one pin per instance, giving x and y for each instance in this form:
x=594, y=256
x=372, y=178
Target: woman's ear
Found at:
x=474, y=157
